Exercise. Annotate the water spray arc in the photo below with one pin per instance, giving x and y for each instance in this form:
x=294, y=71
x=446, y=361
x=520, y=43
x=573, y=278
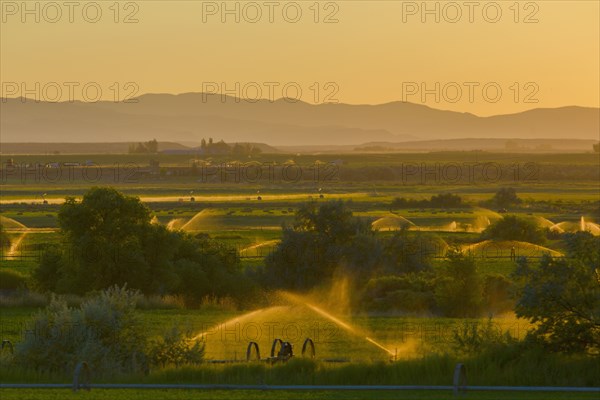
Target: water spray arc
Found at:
x=297, y=299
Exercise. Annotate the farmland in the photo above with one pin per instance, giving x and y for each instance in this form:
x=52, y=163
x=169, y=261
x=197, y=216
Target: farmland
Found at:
x=249, y=217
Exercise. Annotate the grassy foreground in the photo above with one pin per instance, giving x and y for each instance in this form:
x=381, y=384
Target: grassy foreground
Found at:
x=180, y=394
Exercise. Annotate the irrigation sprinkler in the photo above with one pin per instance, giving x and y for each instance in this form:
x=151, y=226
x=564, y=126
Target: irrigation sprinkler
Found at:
x=309, y=343
x=280, y=351
x=285, y=352
x=252, y=345
x=82, y=377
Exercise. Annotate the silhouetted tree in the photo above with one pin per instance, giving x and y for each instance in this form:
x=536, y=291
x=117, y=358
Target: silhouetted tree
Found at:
x=459, y=290
x=506, y=197
x=561, y=296
x=108, y=239
x=512, y=227
x=310, y=251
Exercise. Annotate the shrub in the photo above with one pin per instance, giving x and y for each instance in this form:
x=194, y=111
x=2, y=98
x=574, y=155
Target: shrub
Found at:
x=443, y=200
x=104, y=331
x=475, y=337
x=412, y=293
x=175, y=347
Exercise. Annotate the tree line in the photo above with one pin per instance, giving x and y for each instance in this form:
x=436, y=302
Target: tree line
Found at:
x=109, y=239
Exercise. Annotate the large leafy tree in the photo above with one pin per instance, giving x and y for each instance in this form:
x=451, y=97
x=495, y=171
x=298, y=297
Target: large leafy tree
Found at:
x=319, y=242
x=512, y=227
x=561, y=296
x=326, y=239
x=108, y=239
x=459, y=289
x=506, y=197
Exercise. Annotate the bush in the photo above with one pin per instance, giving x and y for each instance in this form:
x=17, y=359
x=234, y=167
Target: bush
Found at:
x=475, y=337
x=176, y=348
x=412, y=293
x=12, y=280
x=104, y=331
x=443, y=200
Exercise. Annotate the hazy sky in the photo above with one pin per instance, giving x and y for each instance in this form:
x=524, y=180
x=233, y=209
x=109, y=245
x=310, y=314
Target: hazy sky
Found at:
x=377, y=51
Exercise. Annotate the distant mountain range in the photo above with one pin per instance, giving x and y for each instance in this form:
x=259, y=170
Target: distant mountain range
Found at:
x=190, y=117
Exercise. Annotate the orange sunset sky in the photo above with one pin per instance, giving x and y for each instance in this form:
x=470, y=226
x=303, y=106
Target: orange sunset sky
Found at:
x=370, y=53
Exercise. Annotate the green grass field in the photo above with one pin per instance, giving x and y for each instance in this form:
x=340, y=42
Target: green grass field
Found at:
x=232, y=214
x=151, y=394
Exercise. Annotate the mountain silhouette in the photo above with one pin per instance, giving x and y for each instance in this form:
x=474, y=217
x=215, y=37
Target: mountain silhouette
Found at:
x=191, y=116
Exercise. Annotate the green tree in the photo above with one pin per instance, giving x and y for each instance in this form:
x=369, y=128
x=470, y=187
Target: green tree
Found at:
x=108, y=239
x=310, y=251
x=561, y=296
x=506, y=197
x=512, y=227
x=406, y=252
x=104, y=237
x=459, y=290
